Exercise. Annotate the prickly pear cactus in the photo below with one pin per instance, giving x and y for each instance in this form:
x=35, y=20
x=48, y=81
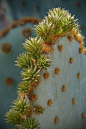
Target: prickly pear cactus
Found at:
x=52, y=92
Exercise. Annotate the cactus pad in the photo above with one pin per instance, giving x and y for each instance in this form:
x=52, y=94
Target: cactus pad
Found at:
x=52, y=92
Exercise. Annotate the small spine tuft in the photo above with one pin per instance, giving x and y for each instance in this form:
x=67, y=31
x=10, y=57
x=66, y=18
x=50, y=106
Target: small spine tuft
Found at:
x=83, y=116
x=73, y=101
x=46, y=75
x=50, y=102
x=64, y=88
x=71, y=60
x=56, y=120
x=57, y=71
x=79, y=75
x=60, y=47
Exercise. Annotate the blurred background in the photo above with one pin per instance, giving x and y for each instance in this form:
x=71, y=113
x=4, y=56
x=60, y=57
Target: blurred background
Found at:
x=17, y=20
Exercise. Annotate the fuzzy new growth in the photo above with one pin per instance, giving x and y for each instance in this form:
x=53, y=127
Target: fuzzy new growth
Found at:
x=32, y=62
x=30, y=75
x=24, y=61
x=30, y=124
x=34, y=47
x=21, y=106
x=24, y=87
x=13, y=117
x=58, y=22
x=44, y=62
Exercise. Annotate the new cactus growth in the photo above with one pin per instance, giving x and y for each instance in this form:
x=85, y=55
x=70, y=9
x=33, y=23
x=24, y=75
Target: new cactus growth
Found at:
x=53, y=76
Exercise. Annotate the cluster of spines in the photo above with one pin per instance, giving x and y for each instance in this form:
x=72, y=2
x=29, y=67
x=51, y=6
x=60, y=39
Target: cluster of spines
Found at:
x=29, y=124
x=56, y=24
x=32, y=62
